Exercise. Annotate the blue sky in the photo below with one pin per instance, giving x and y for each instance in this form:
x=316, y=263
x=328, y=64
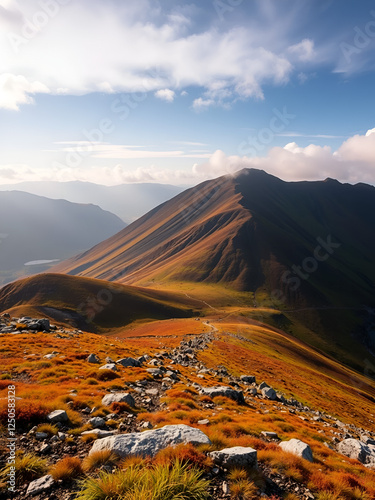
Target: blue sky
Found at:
x=178, y=92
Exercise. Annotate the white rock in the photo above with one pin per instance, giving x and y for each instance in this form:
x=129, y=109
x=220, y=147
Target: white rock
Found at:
x=40, y=485
x=353, y=448
x=109, y=366
x=58, y=416
x=97, y=422
x=148, y=443
x=118, y=397
x=100, y=433
x=238, y=456
x=227, y=392
x=298, y=448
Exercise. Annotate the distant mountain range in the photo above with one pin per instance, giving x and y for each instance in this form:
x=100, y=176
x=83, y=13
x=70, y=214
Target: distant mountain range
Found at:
x=127, y=201
x=36, y=231
x=303, y=247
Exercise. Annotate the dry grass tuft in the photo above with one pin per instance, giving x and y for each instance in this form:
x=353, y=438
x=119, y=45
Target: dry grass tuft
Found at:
x=99, y=458
x=67, y=469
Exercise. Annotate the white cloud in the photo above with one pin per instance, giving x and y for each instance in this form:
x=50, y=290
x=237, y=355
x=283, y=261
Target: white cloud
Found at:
x=304, y=50
x=354, y=161
x=165, y=95
x=201, y=104
x=142, y=47
x=16, y=90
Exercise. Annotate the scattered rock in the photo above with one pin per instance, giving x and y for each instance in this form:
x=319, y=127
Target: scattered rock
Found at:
x=238, y=456
x=354, y=448
x=248, y=379
x=39, y=485
x=298, y=448
x=109, y=366
x=271, y=435
x=118, y=397
x=148, y=443
x=269, y=393
x=227, y=392
x=97, y=422
x=58, y=416
x=128, y=362
x=93, y=358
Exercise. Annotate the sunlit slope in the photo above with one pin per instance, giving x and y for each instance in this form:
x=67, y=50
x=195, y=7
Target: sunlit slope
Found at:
x=90, y=304
x=200, y=235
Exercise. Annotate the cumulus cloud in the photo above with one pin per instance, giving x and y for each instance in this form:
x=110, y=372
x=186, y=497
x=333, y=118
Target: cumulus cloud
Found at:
x=304, y=50
x=354, y=161
x=139, y=47
x=165, y=95
x=16, y=90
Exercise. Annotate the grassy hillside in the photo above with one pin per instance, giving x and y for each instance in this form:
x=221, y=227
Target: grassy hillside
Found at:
x=90, y=304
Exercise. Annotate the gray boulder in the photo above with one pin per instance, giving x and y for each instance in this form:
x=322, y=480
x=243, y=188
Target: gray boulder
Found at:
x=58, y=416
x=93, y=358
x=269, y=393
x=298, y=448
x=248, y=379
x=354, y=448
x=128, y=362
x=227, y=392
x=148, y=443
x=118, y=397
x=39, y=485
x=263, y=385
x=96, y=422
x=238, y=456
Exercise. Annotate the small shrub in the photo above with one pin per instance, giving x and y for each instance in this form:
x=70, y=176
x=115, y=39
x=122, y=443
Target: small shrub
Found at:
x=98, y=458
x=133, y=461
x=28, y=467
x=66, y=469
x=28, y=413
x=184, y=454
x=121, y=408
x=243, y=489
x=105, y=375
x=89, y=438
x=92, y=381
x=49, y=429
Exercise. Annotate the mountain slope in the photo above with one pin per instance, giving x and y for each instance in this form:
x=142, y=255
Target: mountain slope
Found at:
x=127, y=201
x=92, y=305
x=34, y=229
x=305, y=247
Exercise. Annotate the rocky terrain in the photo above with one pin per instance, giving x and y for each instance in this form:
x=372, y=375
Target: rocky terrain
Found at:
x=130, y=417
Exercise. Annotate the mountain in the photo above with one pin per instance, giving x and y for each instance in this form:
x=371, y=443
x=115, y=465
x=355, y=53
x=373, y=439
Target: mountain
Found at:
x=35, y=231
x=88, y=303
x=127, y=201
x=303, y=247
